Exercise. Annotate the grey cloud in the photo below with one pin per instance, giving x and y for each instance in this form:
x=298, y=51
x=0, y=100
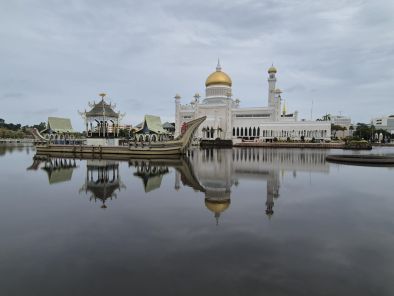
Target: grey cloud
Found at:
x=12, y=96
x=44, y=112
x=62, y=53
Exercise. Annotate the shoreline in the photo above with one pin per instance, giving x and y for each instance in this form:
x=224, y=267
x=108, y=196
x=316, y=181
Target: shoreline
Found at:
x=293, y=145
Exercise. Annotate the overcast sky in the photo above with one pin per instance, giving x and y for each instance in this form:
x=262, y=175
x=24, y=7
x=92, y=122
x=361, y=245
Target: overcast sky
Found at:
x=55, y=56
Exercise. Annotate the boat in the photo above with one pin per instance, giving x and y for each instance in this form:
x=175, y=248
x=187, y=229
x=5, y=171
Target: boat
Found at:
x=172, y=147
x=362, y=159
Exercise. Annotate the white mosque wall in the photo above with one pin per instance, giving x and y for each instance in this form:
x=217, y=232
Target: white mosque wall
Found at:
x=226, y=120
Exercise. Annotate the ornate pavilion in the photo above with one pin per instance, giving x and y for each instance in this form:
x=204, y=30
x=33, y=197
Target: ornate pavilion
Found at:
x=102, y=123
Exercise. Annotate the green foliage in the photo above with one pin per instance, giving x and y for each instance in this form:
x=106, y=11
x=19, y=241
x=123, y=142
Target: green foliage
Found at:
x=124, y=133
x=17, y=131
x=335, y=128
x=10, y=134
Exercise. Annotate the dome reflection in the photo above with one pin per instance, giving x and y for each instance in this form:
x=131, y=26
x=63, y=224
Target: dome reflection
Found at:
x=214, y=172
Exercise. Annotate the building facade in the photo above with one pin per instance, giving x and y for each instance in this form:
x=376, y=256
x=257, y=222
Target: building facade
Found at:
x=228, y=121
x=343, y=121
x=384, y=122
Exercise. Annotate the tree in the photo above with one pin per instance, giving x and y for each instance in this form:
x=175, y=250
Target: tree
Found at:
x=335, y=128
x=40, y=127
x=364, y=131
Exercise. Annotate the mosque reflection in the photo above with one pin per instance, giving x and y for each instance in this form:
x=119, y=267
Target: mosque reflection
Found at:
x=212, y=172
x=219, y=170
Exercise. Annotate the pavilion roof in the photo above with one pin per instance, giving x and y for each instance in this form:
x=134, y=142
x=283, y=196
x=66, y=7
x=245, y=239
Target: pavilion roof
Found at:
x=59, y=175
x=153, y=124
x=102, y=109
x=103, y=190
x=60, y=125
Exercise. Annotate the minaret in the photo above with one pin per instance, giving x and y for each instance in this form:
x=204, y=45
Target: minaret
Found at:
x=277, y=103
x=271, y=86
x=177, y=115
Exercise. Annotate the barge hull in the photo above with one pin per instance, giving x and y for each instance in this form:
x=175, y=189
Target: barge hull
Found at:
x=108, y=150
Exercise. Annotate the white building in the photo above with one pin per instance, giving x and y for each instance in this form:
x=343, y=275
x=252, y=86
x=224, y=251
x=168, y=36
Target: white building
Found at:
x=384, y=122
x=227, y=120
x=344, y=121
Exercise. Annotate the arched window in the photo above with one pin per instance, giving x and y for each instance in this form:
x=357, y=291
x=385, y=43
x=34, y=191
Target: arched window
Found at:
x=237, y=131
x=242, y=132
x=212, y=132
x=233, y=131
x=250, y=131
x=254, y=132
x=258, y=131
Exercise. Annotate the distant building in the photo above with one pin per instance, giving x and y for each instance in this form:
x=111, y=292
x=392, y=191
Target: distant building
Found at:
x=169, y=127
x=384, y=122
x=343, y=121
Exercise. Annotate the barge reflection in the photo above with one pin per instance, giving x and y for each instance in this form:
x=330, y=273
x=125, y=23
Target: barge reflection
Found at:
x=212, y=172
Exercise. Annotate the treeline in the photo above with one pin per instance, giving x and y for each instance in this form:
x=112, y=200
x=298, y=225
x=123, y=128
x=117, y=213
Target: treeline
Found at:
x=17, y=131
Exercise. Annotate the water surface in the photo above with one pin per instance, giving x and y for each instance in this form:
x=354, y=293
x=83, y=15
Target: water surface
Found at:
x=221, y=222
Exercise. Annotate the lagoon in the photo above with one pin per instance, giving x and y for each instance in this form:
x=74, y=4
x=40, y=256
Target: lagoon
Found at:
x=241, y=221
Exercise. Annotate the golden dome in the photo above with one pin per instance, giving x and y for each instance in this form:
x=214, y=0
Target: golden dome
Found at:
x=217, y=206
x=272, y=69
x=218, y=77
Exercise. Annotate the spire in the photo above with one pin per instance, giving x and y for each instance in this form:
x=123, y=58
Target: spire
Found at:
x=284, y=107
x=218, y=67
x=217, y=215
x=102, y=95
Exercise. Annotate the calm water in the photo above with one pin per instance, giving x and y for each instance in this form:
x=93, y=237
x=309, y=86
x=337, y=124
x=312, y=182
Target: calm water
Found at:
x=222, y=222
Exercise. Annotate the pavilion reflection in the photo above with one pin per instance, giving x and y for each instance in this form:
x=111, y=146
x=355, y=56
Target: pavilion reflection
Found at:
x=151, y=174
x=102, y=180
x=58, y=169
x=213, y=172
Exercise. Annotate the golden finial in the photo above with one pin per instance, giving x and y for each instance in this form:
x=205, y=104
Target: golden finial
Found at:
x=102, y=95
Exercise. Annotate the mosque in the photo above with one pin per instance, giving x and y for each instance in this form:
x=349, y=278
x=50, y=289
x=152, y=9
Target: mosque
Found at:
x=226, y=120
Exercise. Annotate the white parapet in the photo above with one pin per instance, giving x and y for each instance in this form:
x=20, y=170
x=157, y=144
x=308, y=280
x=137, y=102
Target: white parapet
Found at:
x=102, y=142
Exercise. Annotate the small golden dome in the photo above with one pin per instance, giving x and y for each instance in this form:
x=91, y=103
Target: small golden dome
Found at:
x=217, y=207
x=218, y=77
x=272, y=69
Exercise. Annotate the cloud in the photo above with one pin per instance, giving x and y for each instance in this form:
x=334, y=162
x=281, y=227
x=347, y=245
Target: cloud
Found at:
x=62, y=54
x=12, y=96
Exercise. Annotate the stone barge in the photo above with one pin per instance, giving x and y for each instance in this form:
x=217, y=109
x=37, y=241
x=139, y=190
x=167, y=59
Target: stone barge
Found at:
x=174, y=147
x=372, y=160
